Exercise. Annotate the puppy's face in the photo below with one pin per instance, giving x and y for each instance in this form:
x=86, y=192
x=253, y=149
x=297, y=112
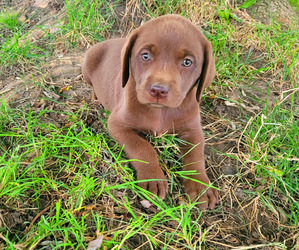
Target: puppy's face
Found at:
x=167, y=60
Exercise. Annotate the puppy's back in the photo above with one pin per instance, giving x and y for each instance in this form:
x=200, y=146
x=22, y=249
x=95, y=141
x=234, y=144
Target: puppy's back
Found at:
x=101, y=69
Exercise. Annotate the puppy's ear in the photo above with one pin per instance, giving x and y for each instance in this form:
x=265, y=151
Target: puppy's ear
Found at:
x=208, y=70
x=126, y=55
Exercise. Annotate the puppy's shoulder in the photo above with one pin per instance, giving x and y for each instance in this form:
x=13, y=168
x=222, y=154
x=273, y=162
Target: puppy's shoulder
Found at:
x=98, y=53
x=106, y=46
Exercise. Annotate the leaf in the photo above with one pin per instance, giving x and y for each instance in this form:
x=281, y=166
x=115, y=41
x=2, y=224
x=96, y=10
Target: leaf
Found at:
x=145, y=203
x=66, y=88
x=95, y=244
x=247, y=4
x=275, y=171
x=224, y=14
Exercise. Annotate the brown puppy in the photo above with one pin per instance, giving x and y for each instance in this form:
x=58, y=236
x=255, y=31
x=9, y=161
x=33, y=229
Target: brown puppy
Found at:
x=152, y=82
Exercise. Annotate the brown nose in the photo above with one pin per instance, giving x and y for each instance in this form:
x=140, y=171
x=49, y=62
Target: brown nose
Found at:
x=159, y=91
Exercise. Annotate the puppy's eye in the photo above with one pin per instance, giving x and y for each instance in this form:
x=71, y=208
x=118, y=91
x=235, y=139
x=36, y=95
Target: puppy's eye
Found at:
x=187, y=63
x=145, y=56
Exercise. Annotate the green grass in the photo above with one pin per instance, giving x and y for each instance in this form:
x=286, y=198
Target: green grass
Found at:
x=9, y=20
x=15, y=46
x=62, y=162
x=64, y=181
x=83, y=19
x=92, y=19
x=273, y=139
x=14, y=50
x=295, y=4
x=159, y=7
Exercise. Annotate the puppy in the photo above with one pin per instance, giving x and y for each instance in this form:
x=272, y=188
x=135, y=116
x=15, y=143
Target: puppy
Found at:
x=151, y=82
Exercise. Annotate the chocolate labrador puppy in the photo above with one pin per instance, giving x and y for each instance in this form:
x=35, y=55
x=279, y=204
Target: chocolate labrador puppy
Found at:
x=151, y=82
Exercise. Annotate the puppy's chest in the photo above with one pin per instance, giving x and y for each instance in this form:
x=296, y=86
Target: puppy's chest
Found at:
x=157, y=125
x=159, y=130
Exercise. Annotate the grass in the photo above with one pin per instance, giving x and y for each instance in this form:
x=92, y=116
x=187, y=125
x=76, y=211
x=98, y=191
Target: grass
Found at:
x=273, y=141
x=88, y=18
x=64, y=162
x=295, y=4
x=9, y=20
x=64, y=181
x=15, y=47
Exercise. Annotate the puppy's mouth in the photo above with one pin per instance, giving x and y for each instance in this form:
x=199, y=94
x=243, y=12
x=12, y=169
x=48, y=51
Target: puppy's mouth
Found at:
x=157, y=105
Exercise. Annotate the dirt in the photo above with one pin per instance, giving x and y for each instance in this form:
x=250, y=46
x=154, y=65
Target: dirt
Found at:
x=266, y=10
x=62, y=82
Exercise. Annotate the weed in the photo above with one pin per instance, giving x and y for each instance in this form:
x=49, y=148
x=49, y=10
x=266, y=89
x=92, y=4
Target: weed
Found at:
x=9, y=21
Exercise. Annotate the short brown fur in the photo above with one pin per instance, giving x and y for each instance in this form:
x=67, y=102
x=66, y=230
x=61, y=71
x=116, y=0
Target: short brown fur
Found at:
x=155, y=95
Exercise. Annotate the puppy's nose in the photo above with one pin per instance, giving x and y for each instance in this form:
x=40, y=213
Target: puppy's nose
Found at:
x=159, y=91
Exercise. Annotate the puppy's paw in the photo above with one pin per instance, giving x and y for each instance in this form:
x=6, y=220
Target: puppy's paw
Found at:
x=208, y=196
x=157, y=187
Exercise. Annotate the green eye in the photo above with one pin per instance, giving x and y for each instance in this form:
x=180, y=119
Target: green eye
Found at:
x=187, y=63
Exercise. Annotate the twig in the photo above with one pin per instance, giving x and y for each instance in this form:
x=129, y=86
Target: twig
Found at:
x=35, y=218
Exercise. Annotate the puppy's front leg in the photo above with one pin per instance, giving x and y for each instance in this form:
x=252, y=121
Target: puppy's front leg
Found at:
x=193, y=151
x=139, y=149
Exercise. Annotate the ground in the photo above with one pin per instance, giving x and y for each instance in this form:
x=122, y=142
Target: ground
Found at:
x=64, y=179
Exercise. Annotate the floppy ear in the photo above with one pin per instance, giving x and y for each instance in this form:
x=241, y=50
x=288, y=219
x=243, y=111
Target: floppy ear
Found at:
x=126, y=55
x=207, y=72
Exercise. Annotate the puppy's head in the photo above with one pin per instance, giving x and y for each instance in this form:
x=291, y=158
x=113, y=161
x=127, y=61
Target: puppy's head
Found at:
x=167, y=57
